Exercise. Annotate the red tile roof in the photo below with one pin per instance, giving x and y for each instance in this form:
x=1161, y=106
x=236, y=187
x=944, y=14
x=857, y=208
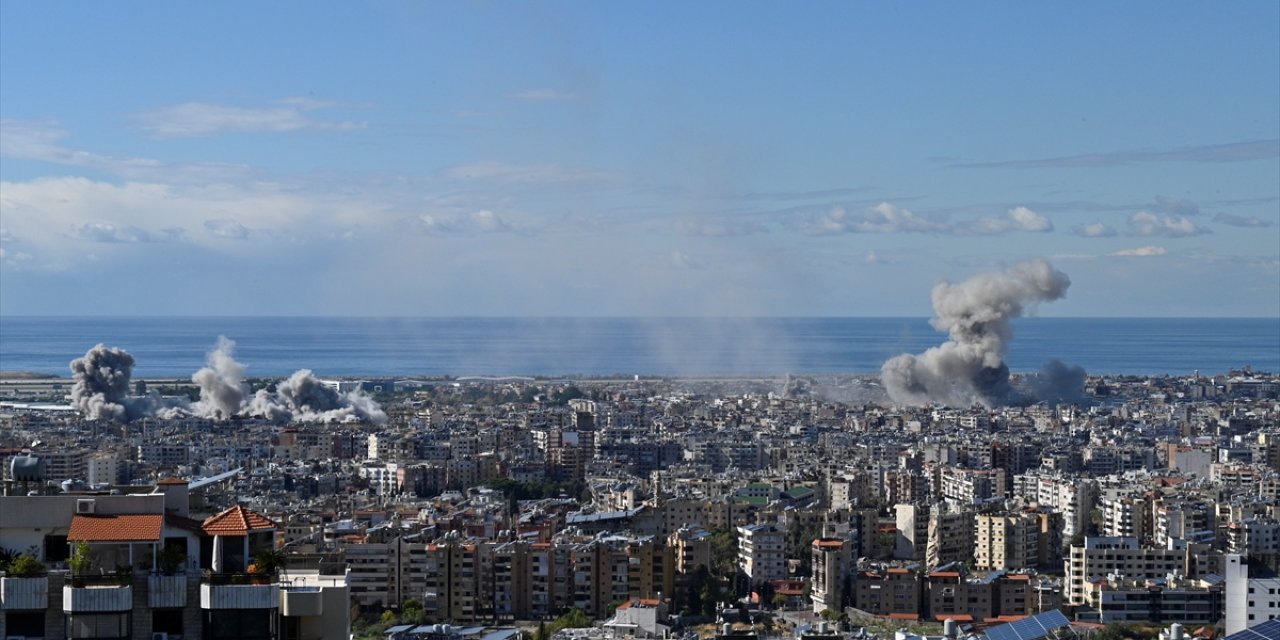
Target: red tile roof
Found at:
x=237, y=521
x=118, y=528
x=904, y=616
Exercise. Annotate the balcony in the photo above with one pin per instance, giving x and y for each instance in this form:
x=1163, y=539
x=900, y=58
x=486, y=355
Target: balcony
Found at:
x=238, y=591
x=301, y=601
x=167, y=591
x=97, y=594
x=24, y=593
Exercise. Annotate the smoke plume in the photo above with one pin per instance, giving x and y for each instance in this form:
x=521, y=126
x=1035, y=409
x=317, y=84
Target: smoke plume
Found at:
x=304, y=398
x=101, y=383
x=222, y=390
x=978, y=315
x=1057, y=383
x=101, y=392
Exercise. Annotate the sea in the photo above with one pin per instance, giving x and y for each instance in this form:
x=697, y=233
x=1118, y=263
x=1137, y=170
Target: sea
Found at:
x=407, y=347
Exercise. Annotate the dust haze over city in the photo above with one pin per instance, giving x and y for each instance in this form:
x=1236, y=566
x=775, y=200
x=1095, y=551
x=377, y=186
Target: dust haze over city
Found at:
x=618, y=321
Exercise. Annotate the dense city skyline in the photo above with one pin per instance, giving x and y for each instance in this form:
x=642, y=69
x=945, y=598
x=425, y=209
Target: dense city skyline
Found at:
x=578, y=159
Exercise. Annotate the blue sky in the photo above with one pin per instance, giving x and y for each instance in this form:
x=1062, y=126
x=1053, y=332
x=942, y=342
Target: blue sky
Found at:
x=653, y=159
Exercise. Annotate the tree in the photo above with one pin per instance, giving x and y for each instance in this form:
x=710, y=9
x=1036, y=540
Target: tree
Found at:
x=268, y=562
x=171, y=559
x=779, y=600
x=724, y=553
x=1119, y=631
x=25, y=566
x=800, y=537
x=575, y=619
x=81, y=561
x=412, y=612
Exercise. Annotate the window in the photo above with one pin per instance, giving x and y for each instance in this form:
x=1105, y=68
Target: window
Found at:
x=98, y=625
x=56, y=548
x=28, y=624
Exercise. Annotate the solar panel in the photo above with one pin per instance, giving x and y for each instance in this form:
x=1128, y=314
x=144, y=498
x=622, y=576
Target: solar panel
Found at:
x=1035, y=627
x=1269, y=630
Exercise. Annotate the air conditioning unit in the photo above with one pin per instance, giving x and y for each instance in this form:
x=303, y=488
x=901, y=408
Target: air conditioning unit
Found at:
x=84, y=505
x=159, y=635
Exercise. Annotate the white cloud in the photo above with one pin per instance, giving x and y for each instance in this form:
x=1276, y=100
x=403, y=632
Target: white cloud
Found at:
x=720, y=227
x=104, y=232
x=890, y=218
x=1175, y=206
x=226, y=228
x=1016, y=219
x=52, y=219
x=474, y=223
x=545, y=95
x=1241, y=221
x=1146, y=223
x=874, y=258
x=881, y=218
x=524, y=173
x=1094, y=230
x=1074, y=257
x=40, y=140
x=1140, y=252
x=194, y=119
x=682, y=260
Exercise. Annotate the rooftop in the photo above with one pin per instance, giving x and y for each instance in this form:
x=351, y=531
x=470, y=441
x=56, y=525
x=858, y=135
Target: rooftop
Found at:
x=116, y=528
x=237, y=521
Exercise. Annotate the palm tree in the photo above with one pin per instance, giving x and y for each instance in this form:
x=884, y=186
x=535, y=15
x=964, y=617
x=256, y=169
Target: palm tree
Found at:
x=268, y=562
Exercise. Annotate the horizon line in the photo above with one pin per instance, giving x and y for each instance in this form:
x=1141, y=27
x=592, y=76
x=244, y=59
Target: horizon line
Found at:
x=4, y=316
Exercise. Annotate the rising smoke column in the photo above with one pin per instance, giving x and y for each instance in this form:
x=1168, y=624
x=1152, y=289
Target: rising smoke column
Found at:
x=977, y=314
x=304, y=398
x=101, y=392
x=221, y=382
x=101, y=388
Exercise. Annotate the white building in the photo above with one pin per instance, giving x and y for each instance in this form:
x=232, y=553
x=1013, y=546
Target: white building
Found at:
x=762, y=552
x=1249, y=601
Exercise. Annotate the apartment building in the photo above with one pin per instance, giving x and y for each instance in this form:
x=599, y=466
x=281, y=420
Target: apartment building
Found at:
x=1126, y=517
x=891, y=591
x=1160, y=600
x=1006, y=541
x=1072, y=496
x=144, y=570
x=762, y=552
x=831, y=572
x=1101, y=556
x=1251, y=594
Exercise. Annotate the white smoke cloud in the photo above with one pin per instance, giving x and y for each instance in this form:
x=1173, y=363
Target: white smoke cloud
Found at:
x=100, y=388
x=304, y=398
x=977, y=314
x=222, y=390
x=101, y=392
